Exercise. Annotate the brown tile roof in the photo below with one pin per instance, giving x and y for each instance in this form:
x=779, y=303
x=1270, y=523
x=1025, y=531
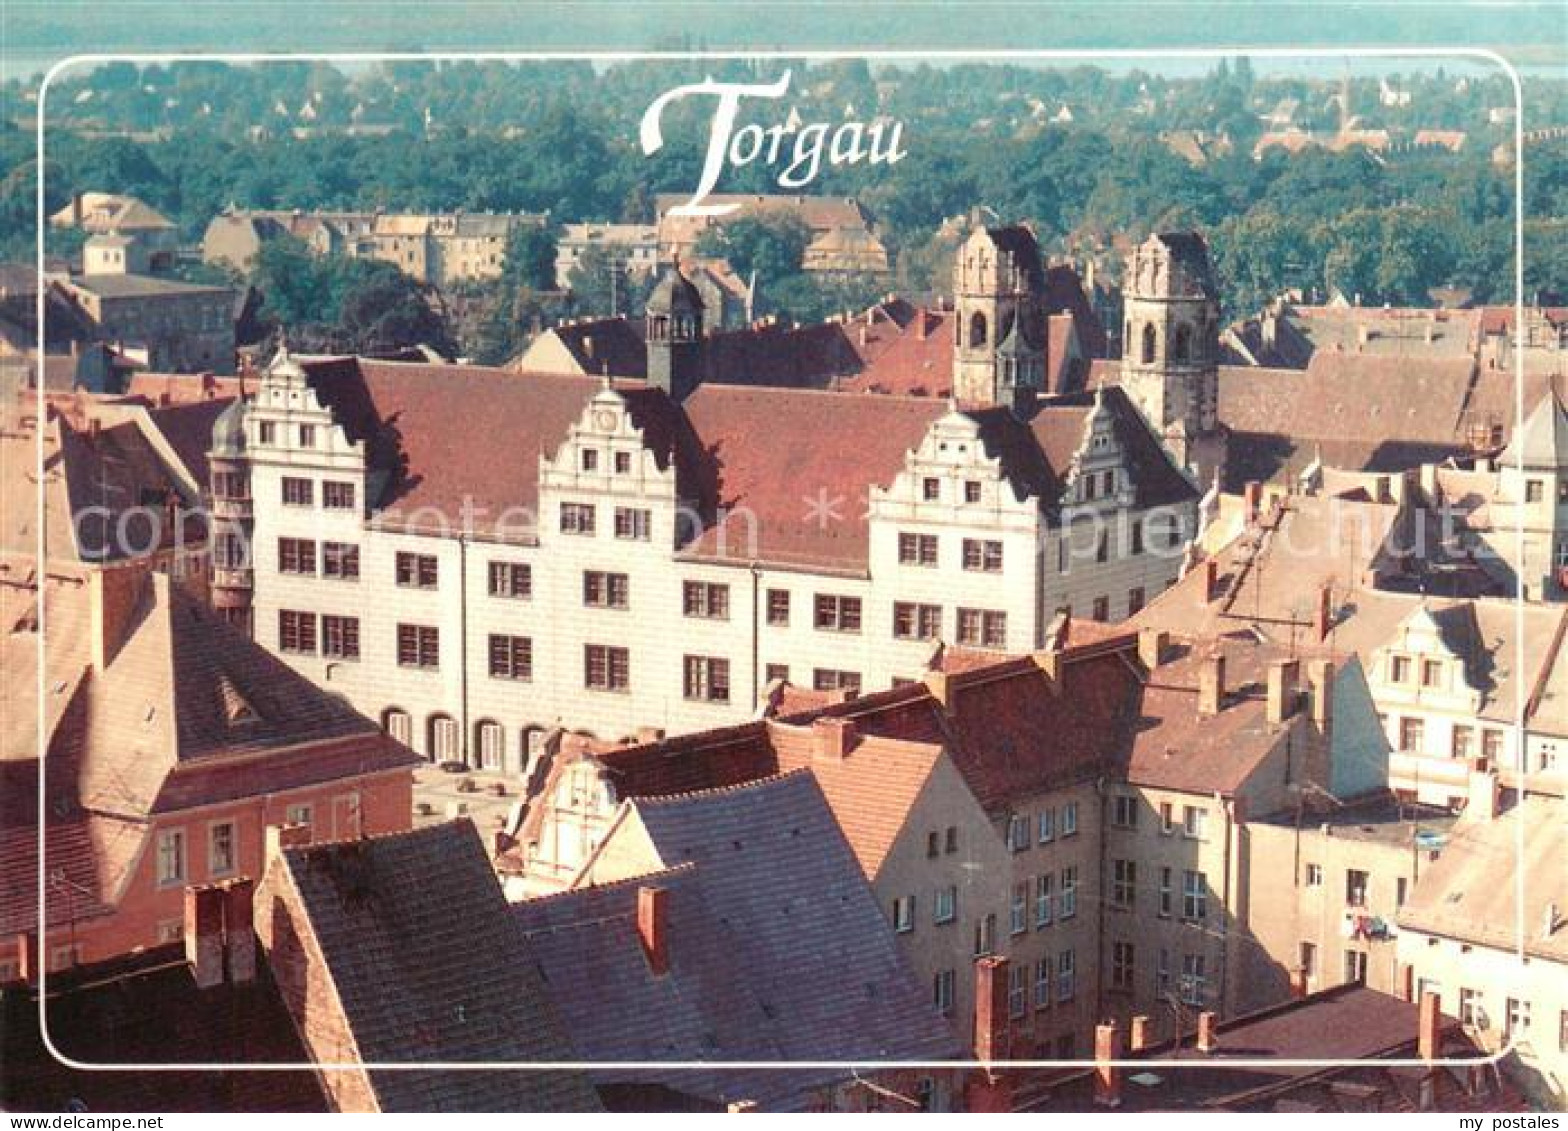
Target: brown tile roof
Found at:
x=777, y=949
x=148, y=1010
x=188, y=429
x=917, y=362
x=428, y=964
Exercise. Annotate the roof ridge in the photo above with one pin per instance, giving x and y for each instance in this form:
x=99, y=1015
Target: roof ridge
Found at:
x=713, y=791
x=685, y=867
x=302, y=850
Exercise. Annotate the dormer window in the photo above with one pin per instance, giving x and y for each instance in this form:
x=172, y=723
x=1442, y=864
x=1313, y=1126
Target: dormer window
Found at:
x=1399, y=669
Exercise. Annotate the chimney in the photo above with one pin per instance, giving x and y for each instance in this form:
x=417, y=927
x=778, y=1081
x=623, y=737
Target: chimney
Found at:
x=1485, y=791
x=1211, y=579
x=280, y=837
x=239, y=931
x=1298, y=982
x=1107, y=1076
x=204, y=934
x=652, y=928
x=922, y=330
x=1207, y=1041
x=835, y=737
x=76, y=209
x=1404, y=981
x=1152, y=644
x=26, y=956
x=1252, y=498
x=1323, y=619
x=1138, y=1033
x=1429, y=1032
x=1211, y=685
x=1320, y=675
x=991, y=1008
x=114, y=593
x=1284, y=678
x=940, y=685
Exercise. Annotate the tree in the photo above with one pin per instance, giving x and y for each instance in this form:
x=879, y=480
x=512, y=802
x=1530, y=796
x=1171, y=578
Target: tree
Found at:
x=772, y=246
x=530, y=258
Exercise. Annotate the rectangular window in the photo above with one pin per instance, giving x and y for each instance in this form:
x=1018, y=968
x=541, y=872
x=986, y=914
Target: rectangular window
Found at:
x=930, y=490
x=983, y=555
x=511, y=579
x=707, y=678
x=1047, y=825
x=971, y=491
x=1042, y=900
x=985, y=936
x=1069, y=821
x=633, y=524
x=916, y=622
x=1411, y=733
x=221, y=849
x=1167, y=818
x=904, y=914
x=1124, y=811
x=942, y=992
x=297, y=492
x=606, y=590
x=1355, y=966
x=340, y=561
x=1194, y=895
x=707, y=599
x=418, y=646
x=1135, y=601
x=297, y=555
x=267, y=433
x=1162, y=974
x=982, y=627
x=171, y=857
x=1017, y=990
x=831, y=679
x=416, y=571
x=1066, y=976
x=340, y=637
x=511, y=657
x=296, y=632
x=917, y=549
x=1018, y=910
x=299, y=814
x=1067, y=902
x=1166, y=893
x=1431, y=673
x=1122, y=966
x=778, y=607
x=307, y=435
x=1102, y=609
x=1124, y=883
x=1135, y=544
x=577, y=518
x=1469, y=1005
x=952, y=839
x=1018, y=832
x=1399, y=669
x=1464, y=741
x=1313, y=875
x=337, y=495
x=606, y=668
x=1309, y=960
x=1356, y=887
x=944, y=908
x=623, y=463
x=837, y=614
x=776, y=673
x=1492, y=745
x=590, y=459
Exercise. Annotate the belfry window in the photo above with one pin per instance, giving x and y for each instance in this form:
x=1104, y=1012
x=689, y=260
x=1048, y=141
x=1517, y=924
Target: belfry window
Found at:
x=977, y=330
x=1149, y=342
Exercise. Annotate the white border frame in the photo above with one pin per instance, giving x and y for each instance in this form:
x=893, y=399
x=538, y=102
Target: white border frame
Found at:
x=808, y=56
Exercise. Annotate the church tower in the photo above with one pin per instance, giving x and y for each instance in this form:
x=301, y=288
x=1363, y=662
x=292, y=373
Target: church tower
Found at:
x=998, y=294
x=1170, y=346
x=673, y=334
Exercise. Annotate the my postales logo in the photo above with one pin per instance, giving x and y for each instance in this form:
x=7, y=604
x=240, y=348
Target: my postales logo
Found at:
x=796, y=151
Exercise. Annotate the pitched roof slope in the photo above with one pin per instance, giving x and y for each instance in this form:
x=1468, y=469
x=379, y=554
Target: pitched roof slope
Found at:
x=429, y=966
x=778, y=950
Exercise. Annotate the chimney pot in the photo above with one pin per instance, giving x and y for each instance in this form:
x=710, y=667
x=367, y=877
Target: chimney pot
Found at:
x=1211, y=579
x=835, y=737
x=991, y=1008
x=1211, y=685
x=1207, y=1040
x=653, y=928
x=1430, y=1026
x=1284, y=678
x=204, y=934
x=1107, y=1075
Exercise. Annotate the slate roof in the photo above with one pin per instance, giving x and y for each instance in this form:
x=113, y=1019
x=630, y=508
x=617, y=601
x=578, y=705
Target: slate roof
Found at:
x=1460, y=895
x=147, y=1009
x=778, y=951
x=429, y=965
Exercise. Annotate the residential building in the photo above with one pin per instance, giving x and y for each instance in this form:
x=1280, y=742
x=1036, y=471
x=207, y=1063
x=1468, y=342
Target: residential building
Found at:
x=632, y=247
x=735, y=925
x=118, y=217
x=1485, y=931
x=842, y=237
